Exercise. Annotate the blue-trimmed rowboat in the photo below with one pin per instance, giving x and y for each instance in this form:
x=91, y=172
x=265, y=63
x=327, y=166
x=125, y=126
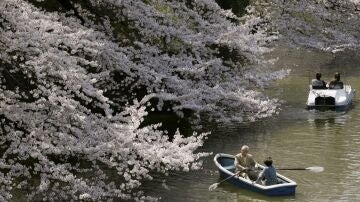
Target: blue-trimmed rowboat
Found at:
x=225, y=164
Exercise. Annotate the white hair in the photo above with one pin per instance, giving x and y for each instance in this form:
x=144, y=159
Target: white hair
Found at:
x=245, y=147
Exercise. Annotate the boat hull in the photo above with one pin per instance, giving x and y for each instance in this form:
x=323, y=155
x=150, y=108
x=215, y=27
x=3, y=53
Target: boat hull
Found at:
x=327, y=107
x=225, y=164
x=330, y=99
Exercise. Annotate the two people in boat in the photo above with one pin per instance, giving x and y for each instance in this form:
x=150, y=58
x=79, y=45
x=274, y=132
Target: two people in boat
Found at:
x=320, y=84
x=245, y=166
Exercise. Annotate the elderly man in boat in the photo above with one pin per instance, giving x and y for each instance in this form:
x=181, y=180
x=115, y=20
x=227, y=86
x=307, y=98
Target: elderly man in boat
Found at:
x=245, y=164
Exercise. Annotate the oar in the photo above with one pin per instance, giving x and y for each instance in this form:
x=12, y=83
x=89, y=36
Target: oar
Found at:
x=215, y=185
x=315, y=169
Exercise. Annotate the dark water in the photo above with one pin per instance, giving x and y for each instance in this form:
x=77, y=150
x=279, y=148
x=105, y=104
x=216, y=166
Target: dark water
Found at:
x=294, y=138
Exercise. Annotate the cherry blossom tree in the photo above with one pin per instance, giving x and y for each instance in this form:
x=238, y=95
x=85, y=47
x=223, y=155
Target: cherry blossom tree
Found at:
x=78, y=79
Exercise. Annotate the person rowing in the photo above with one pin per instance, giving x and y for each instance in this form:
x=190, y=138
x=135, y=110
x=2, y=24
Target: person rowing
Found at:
x=245, y=164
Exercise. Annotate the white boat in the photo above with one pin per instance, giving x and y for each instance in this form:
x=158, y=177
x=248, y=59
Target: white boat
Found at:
x=338, y=99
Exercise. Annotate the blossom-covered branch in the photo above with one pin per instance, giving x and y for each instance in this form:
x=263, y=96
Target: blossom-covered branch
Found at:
x=70, y=82
x=324, y=24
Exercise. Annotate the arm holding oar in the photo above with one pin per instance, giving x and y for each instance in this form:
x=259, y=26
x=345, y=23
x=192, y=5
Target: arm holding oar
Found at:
x=245, y=162
x=269, y=176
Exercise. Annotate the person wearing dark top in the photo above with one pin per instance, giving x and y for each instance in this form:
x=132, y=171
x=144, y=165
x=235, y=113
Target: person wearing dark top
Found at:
x=336, y=83
x=268, y=174
x=318, y=83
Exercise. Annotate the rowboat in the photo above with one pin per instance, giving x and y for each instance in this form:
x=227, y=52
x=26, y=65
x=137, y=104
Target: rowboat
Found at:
x=225, y=164
x=337, y=99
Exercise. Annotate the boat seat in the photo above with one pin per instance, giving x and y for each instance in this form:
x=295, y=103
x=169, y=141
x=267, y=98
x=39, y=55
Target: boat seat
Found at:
x=229, y=167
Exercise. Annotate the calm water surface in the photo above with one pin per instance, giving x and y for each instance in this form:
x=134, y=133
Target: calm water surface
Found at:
x=294, y=138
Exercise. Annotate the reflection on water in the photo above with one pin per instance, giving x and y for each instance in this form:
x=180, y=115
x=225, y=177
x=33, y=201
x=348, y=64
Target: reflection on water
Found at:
x=326, y=119
x=295, y=138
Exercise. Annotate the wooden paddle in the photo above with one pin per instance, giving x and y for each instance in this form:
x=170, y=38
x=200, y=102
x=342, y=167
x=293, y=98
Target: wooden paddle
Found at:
x=215, y=185
x=315, y=169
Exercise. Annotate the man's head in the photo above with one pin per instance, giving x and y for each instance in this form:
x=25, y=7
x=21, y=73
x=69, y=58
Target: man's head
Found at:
x=268, y=161
x=318, y=76
x=337, y=76
x=245, y=149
